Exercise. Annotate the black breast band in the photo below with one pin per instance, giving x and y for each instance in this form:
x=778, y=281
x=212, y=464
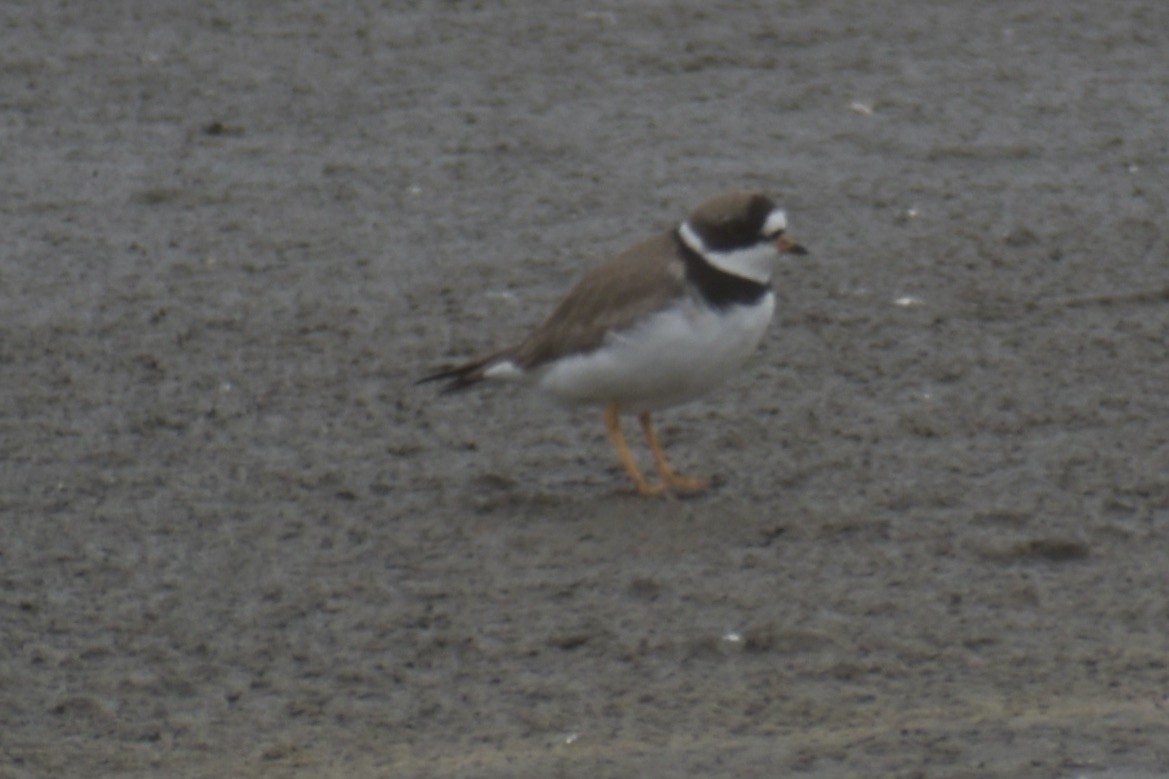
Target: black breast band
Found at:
x=717, y=287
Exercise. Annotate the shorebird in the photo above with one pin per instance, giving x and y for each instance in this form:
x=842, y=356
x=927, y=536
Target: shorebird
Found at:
x=659, y=324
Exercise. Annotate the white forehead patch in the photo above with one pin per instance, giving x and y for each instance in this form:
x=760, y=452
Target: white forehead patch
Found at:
x=776, y=221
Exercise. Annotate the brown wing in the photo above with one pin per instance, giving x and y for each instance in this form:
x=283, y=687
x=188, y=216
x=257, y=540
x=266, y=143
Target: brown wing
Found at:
x=610, y=298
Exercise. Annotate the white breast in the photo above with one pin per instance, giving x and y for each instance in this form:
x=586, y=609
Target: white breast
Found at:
x=675, y=356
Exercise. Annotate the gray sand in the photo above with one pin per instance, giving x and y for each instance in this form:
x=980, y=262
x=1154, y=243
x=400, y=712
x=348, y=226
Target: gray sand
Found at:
x=237, y=541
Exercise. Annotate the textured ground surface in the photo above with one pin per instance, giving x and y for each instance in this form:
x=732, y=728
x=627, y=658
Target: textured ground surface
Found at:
x=235, y=540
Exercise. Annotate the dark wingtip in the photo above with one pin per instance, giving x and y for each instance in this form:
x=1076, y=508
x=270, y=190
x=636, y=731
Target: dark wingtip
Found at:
x=460, y=377
x=459, y=384
x=433, y=377
x=456, y=379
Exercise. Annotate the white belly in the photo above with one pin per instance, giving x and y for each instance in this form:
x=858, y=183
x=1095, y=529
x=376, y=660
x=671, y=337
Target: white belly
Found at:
x=675, y=356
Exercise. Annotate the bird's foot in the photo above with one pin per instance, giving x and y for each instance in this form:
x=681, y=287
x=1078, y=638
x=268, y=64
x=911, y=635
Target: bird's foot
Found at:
x=686, y=483
x=648, y=489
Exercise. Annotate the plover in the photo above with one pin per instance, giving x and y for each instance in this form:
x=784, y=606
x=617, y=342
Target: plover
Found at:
x=657, y=325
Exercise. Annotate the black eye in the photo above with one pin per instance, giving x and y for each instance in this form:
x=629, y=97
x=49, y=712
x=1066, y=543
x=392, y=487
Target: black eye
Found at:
x=773, y=235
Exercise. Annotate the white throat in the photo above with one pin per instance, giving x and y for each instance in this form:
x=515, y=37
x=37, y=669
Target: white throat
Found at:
x=756, y=263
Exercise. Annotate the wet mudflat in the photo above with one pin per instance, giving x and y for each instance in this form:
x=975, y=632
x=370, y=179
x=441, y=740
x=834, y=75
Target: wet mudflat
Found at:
x=237, y=541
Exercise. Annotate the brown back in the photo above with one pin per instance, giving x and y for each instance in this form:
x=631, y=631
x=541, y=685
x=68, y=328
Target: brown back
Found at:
x=610, y=298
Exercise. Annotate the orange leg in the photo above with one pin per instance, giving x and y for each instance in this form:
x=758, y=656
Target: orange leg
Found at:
x=613, y=425
x=669, y=478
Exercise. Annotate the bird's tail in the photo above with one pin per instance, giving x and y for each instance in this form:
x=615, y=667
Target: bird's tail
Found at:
x=461, y=377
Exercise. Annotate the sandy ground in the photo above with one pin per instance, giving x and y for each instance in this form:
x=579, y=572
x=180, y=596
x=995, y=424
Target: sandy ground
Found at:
x=237, y=541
